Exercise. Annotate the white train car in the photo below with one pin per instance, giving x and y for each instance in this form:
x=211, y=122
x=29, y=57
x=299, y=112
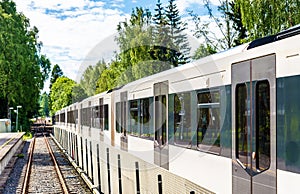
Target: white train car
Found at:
x=227, y=123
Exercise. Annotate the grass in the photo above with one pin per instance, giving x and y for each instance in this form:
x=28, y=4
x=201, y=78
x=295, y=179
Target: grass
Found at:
x=27, y=136
x=20, y=155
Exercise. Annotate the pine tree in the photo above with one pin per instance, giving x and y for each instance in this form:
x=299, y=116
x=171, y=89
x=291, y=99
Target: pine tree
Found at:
x=56, y=73
x=180, y=53
x=162, y=40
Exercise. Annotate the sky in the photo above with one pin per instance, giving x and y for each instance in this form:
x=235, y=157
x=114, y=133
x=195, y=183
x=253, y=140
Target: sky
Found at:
x=78, y=33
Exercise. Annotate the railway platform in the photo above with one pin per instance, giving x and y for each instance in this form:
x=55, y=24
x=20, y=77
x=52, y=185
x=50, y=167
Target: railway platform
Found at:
x=9, y=144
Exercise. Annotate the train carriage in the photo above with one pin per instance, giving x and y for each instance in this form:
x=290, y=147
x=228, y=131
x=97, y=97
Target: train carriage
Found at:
x=228, y=123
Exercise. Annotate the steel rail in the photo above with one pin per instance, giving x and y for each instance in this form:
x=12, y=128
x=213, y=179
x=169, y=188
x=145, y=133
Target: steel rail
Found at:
x=28, y=168
x=57, y=169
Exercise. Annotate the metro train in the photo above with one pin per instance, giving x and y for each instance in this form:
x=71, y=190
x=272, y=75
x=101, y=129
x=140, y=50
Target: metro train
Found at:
x=228, y=123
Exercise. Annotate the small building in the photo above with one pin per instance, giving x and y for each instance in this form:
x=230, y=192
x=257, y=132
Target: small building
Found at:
x=5, y=125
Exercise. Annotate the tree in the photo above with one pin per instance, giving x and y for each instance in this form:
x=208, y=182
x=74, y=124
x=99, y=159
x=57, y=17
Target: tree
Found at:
x=180, y=53
x=56, y=73
x=223, y=24
x=235, y=15
x=162, y=40
x=135, y=41
x=109, y=77
x=61, y=93
x=203, y=51
x=263, y=18
x=23, y=69
x=44, y=105
x=90, y=77
x=78, y=93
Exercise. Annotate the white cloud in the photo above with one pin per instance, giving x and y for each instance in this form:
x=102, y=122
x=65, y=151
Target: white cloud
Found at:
x=70, y=29
x=76, y=33
x=184, y=4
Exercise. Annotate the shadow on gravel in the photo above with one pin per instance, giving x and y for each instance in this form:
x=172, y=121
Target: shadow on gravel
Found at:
x=15, y=180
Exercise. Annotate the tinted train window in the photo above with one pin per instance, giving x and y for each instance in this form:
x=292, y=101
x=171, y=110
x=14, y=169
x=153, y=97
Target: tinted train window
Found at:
x=208, y=132
x=76, y=116
x=62, y=117
x=263, y=125
x=96, y=117
x=146, y=131
x=160, y=124
x=182, y=119
x=241, y=124
x=118, y=118
x=134, y=118
x=106, y=117
x=70, y=117
x=86, y=116
x=101, y=117
x=140, y=118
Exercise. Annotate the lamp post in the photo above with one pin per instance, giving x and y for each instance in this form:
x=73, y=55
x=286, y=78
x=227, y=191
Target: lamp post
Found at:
x=10, y=117
x=17, y=116
x=10, y=108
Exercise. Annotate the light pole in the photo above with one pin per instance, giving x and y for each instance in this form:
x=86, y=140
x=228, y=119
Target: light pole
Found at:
x=17, y=117
x=10, y=117
x=10, y=108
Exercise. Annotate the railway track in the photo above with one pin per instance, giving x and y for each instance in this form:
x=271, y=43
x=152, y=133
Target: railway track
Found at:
x=48, y=171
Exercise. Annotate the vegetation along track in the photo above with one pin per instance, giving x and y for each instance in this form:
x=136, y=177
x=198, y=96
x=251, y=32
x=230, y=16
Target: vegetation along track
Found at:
x=47, y=174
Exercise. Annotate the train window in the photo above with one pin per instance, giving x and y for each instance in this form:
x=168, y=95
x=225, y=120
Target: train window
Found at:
x=106, y=117
x=241, y=124
x=86, y=116
x=140, y=118
x=182, y=119
x=56, y=118
x=124, y=117
x=96, y=117
x=118, y=117
x=160, y=120
x=263, y=125
x=146, y=131
x=76, y=116
x=208, y=131
x=62, y=117
x=134, y=118
x=101, y=117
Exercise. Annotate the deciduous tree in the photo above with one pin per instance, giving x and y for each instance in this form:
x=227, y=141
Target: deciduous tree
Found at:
x=23, y=69
x=61, y=93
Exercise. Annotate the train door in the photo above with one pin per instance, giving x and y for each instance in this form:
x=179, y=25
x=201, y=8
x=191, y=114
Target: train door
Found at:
x=161, y=149
x=124, y=123
x=254, y=126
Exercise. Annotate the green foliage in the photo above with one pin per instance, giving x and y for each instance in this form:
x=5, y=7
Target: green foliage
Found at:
x=90, y=77
x=134, y=40
x=109, y=78
x=203, y=51
x=27, y=135
x=147, y=46
x=180, y=53
x=22, y=69
x=263, y=18
x=225, y=36
x=61, y=93
x=78, y=93
x=235, y=15
x=44, y=105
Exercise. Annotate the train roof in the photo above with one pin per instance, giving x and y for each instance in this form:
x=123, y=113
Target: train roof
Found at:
x=273, y=38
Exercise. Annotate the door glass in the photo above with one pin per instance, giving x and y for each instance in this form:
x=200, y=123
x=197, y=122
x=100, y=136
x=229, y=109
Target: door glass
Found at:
x=160, y=119
x=263, y=138
x=163, y=116
x=241, y=124
x=157, y=121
